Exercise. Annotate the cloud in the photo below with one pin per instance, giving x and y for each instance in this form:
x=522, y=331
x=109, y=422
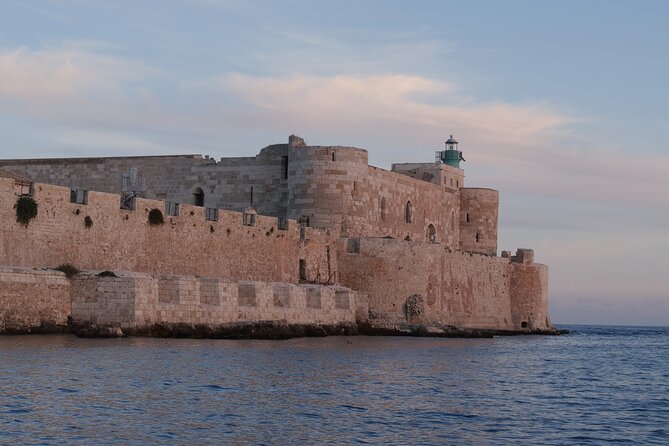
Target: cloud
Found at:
x=68, y=72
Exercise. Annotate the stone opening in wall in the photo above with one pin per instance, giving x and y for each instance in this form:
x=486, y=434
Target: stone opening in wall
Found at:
x=334, y=156
x=408, y=212
x=284, y=167
x=452, y=220
x=211, y=214
x=282, y=223
x=467, y=217
x=384, y=209
x=198, y=197
x=79, y=196
x=128, y=202
x=478, y=237
x=249, y=217
x=431, y=234
x=523, y=324
x=172, y=208
x=303, y=269
x=457, y=183
x=353, y=245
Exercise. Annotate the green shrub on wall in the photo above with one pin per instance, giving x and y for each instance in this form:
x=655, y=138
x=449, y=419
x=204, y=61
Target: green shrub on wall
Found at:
x=26, y=209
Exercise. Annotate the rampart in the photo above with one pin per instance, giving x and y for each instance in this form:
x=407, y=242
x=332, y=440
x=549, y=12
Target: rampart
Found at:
x=186, y=244
x=425, y=283
x=34, y=300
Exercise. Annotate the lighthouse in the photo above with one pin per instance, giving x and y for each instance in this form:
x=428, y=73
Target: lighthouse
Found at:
x=451, y=156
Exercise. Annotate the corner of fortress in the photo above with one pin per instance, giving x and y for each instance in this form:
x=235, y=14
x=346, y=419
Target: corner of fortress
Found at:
x=297, y=240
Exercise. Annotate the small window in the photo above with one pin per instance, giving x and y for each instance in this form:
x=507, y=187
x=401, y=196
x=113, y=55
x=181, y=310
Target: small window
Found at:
x=334, y=156
x=128, y=202
x=384, y=210
x=478, y=237
x=249, y=219
x=408, y=212
x=457, y=184
x=523, y=324
x=211, y=214
x=467, y=217
x=198, y=197
x=282, y=223
x=284, y=167
x=303, y=269
x=78, y=196
x=451, y=182
x=431, y=234
x=172, y=208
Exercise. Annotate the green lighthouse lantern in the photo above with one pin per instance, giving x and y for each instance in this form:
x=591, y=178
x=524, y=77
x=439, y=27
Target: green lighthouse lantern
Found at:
x=451, y=156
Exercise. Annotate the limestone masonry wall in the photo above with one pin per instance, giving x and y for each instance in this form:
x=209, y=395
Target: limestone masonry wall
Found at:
x=124, y=239
x=137, y=300
x=33, y=300
x=241, y=234
x=455, y=288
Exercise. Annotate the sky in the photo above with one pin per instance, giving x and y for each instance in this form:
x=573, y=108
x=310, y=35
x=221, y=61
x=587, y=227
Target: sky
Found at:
x=562, y=106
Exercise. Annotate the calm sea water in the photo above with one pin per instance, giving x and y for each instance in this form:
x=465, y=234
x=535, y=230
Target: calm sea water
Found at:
x=599, y=385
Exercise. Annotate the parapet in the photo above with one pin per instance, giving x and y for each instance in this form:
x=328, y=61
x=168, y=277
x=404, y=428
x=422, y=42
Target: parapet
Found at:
x=523, y=255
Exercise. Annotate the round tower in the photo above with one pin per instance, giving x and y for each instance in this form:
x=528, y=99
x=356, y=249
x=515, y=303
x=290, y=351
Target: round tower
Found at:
x=478, y=220
x=321, y=183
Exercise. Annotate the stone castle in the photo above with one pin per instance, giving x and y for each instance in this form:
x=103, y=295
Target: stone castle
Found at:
x=297, y=236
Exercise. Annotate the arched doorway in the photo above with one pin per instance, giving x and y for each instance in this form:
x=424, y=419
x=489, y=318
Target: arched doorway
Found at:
x=198, y=197
x=431, y=233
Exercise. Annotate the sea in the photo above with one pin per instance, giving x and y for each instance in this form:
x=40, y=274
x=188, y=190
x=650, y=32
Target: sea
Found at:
x=596, y=385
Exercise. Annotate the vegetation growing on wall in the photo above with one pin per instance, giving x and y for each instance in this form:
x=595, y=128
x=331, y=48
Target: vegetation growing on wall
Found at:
x=68, y=269
x=26, y=209
x=156, y=217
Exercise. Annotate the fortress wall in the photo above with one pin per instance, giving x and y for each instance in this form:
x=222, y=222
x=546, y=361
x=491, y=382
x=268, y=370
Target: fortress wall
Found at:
x=136, y=300
x=460, y=289
x=33, y=300
x=236, y=183
x=164, y=174
x=379, y=208
x=123, y=239
x=478, y=220
x=319, y=253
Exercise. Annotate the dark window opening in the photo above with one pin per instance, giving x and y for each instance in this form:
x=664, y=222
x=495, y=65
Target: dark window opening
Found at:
x=282, y=223
x=334, y=157
x=172, y=208
x=467, y=217
x=523, y=325
x=251, y=196
x=431, y=233
x=128, y=202
x=284, y=167
x=303, y=269
x=211, y=214
x=249, y=219
x=457, y=183
x=78, y=196
x=478, y=237
x=384, y=211
x=198, y=197
x=408, y=212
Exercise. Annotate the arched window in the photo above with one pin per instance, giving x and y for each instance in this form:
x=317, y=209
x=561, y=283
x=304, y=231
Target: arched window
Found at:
x=383, y=208
x=408, y=212
x=198, y=197
x=431, y=233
